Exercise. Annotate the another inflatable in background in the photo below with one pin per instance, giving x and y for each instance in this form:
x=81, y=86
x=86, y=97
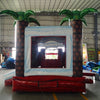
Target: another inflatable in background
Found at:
x=92, y=66
x=3, y=65
x=9, y=63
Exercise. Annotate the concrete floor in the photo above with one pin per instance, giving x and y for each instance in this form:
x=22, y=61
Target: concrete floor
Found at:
x=93, y=93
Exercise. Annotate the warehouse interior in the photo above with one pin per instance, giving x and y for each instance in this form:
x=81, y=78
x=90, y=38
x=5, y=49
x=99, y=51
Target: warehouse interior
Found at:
x=47, y=14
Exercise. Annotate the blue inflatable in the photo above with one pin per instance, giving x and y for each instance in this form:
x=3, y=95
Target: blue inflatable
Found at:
x=3, y=65
x=98, y=62
x=11, y=59
x=91, y=64
x=10, y=63
x=84, y=67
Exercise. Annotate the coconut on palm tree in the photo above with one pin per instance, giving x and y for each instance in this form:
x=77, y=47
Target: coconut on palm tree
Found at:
x=21, y=16
x=76, y=15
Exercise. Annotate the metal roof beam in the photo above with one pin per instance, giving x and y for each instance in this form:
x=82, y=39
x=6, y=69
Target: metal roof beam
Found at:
x=63, y=5
x=55, y=13
x=54, y=4
x=45, y=13
x=58, y=5
x=49, y=4
x=3, y=4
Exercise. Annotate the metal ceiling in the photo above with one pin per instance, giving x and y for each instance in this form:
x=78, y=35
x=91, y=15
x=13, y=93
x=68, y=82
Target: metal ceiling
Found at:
x=48, y=5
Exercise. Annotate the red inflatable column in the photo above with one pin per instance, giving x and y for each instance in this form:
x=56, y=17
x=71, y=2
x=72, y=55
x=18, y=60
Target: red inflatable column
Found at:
x=77, y=48
x=20, y=47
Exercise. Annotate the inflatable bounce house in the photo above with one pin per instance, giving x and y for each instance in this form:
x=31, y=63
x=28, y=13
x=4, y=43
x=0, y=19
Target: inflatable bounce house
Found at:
x=49, y=58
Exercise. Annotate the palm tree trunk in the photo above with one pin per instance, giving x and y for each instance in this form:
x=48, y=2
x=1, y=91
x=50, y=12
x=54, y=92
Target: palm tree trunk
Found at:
x=77, y=48
x=20, y=47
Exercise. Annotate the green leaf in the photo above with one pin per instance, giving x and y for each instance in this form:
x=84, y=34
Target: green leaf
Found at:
x=76, y=15
x=64, y=20
x=33, y=20
x=10, y=12
x=21, y=16
x=67, y=13
x=84, y=21
x=14, y=23
x=86, y=11
x=29, y=13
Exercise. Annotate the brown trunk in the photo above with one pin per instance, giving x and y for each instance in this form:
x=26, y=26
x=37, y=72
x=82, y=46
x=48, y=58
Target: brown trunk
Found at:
x=77, y=48
x=20, y=48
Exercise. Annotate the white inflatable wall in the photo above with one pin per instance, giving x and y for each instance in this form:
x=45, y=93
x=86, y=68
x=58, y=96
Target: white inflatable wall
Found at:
x=49, y=31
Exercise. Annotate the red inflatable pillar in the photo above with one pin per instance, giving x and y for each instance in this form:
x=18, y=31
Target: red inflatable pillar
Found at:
x=77, y=48
x=20, y=47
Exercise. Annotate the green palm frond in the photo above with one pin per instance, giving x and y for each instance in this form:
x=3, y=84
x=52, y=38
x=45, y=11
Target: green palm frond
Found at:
x=29, y=13
x=86, y=11
x=67, y=13
x=64, y=20
x=76, y=15
x=21, y=16
x=10, y=12
x=34, y=21
x=84, y=21
x=14, y=23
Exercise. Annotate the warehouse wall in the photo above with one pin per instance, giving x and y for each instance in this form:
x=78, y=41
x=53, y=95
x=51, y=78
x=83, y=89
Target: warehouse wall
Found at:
x=7, y=29
x=88, y=37
x=99, y=32
x=0, y=33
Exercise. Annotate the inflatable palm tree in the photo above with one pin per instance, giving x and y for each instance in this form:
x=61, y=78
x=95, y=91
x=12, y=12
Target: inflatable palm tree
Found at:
x=21, y=20
x=21, y=16
x=77, y=18
x=76, y=15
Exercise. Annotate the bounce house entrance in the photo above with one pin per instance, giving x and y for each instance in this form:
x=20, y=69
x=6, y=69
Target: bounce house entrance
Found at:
x=48, y=51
